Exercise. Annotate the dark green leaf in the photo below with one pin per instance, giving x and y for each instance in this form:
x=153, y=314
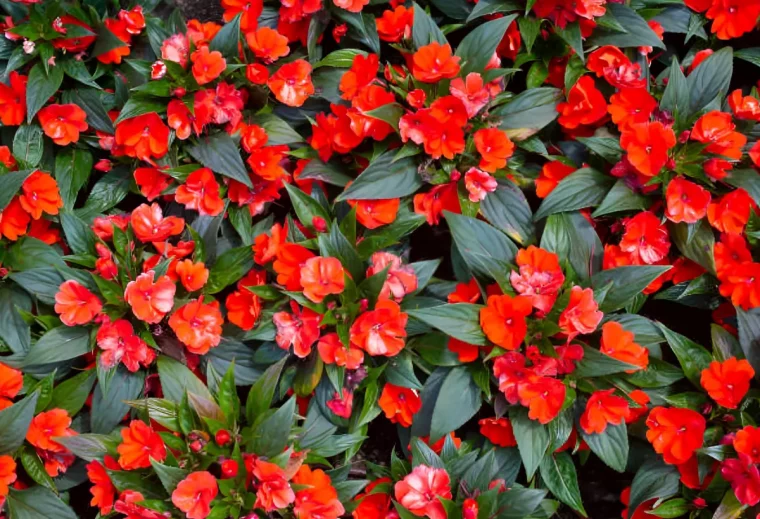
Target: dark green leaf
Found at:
x=384, y=178
x=507, y=209
x=40, y=87
x=176, y=378
x=477, y=48
x=14, y=422
x=654, y=479
x=710, y=79
x=424, y=28
x=626, y=283
x=27, y=145
x=692, y=357
x=37, y=503
x=486, y=250
x=532, y=439
x=585, y=187
x=232, y=265
x=571, y=236
x=457, y=402
x=72, y=169
x=638, y=33
x=528, y=112
x=12, y=182
x=619, y=199
x=61, y=343
x=219, y=153
x=559, y=476
x=611, y=446
x=461, y=321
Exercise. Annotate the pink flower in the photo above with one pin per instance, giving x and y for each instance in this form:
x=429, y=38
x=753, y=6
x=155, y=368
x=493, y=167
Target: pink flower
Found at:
x=540, y=277
x=471, y=92
x=301, y=329
x=479, y=184
x=419, y=491
x=582, y=315
x=744, y=478
x=401, y=278
x=120, y=344
x=176, y=49
x=342, y=405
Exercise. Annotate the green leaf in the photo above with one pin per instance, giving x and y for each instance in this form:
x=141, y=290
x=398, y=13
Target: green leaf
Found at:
x=460, y=320
x=457, y=402
x=676, y=96
x=507, y=209
x=14, y=422
x=335, y=245
x=751, y=55
x=424, y=29
x=306, y=207
x=626, y=283
x=747, y=179
x=585, y=187
x=384, y=179
x=361, y=27
x=638, y=33
x=29, y=253
x=72, y=393
x=35, y=469
x=597, y=364
x=176, y=379
x=40, y=87
x=79, y=235
x=606, y=147
x=422, y=454
x=400, y=371
x=571, y=236
x=77, y=70
x=219, y=153
x=559, y=476
x=672, y=508
x=487, y=7
x=227, y=39
x=263, y=390
x=658, y=374
x=530, y=28
x=27, y=145
x=341, y=58
x=654, y=479
x=278, y=131
x=72, y=169
x=109, y=403
x=692, y=357
x=89, y=100
x=477, y=48
x=571, y=34
x=37, y=503
x=389, y=113
x=712, y=78
x=528, y=112
x=59, y=344
x=619, y=199
x=232, y=265
x=318, y=170
x=108, y=191
x=749, y=335
x=169, y=476
x=532, y=439
x=12, y=182
x=270, y=436
x=697, y=245
x=611, y=446
x=14, y=331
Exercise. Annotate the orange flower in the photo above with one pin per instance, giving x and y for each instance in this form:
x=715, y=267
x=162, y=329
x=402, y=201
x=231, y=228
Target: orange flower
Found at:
x=243, y=306
x=291, y=84
x=434, y=62
x=11, y=382
x=200, y=192
x=394, y=25
x=540, y=277
x=75, y=304
x=747, y=443
x=180, y=119
x=103, y=491
x=619, y=344
x=585, y=105
x=470, y=91
x=62, y=123
x=250, y=10
x=362, y=73
x=440, y=198
x=465, y=292
x=645, y=238
x=194, y=494
x=267, y=44
x=727, y=382
x=687, y=201
x=717, y=129
x=207, y=65
x=543, y=396
x=494, y=147
x=399, y=404
x=465, y=352
x=14, y=220
x=551, y=175
x=39, y=194
x=582, y=315
x=7, y=475
x=733, y=18
x=198, y=326
x=149, y=224
x=730, y=252
x=321, y=277
x=13, y=100
x=139, y=443
x=273, y=492
x=503, y=320
x=48, y=425
x=150, y=301
x=192, y=275
x=631, y=106
x=380, y=331
x=354, y=6
x=604, y=408
x=675, y=433
x=376, y=213
x=401, y=279
x=647, y=145
x=300, y=329
x=290, y=259
x=731, y=212
x=119, y=29
x=332, y=351
x=144, y=137
x=498, y=431
x=420, y=491
x=318, y=499
x=742, y=284
x=744, y=107
x=41, y=230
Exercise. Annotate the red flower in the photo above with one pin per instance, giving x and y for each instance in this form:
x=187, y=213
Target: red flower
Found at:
x=478, y=184
x=434, y=62
x=494, y=147
x=543, y=396
x=321, y=277
x=76, y=44
x=62, y=123
x=687, y=201
x=716, y=129
x=401, y=279
x=40, y=194
x=744, y=479
x=733, y=18
x=14, y=220
x=647, y=145
x=727, y=382
x=380, y=331
x=149, y=224
x=48, y=425
x=645, y=238
x=394, y=25
x=332, y=351
x=139, y=443
x=75, y=304
x=744, y=107
x=198, y=326
x=731, y=212
x=194, y=494
x=498, y=431
x=200, y=192
x=631, y=106
x=503, y=320
x=399, y=404
x=540, y=277
x=267, y=44
x=250, y=10
x=465, y=293
x=144, y=137
x=362, y=73
x=193, y=276
x=207, y=65
x=374, y=504
x=604, y=408
x=13, y=100
x=243, y=306
x=120, y=344
x=150, y=301
x=300, y=329
x=746, y=442
x=290, y=259
x=551, y=175
x=582, y=315
x=442, y=197
x=291, y=84
x=471, y=92
x=419, y=491
x=675, y=433
x=179, y=118
x=102, y=490
x=318, y=499
x=218, y=106
x=585, y=105
x=619, y=344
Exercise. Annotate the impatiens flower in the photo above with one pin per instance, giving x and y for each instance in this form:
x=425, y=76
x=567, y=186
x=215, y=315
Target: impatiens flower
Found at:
x=494, y=147
x=582, y=315
x=290, y=259
x=332, y=351
x=149, y=224
x=401, y=279
x=733, y=18
x=687, y=201
x=399, y=404
x=362, y=73
x=647, y=145
x=291, y=84
x=273, y=491
x=380, y=331
x=431, y=204
x=11, y=382
x=373, y=503
x=200, y=192
x=194, y=494
x=604, y=408
x=341, y=404
x=585, y=105
x=144, y=137
x=727, y=382
x=299, y=329
x=717, y=129
x=139, y=443
x=221, y=105
x=744, y=107
x=48, y=425
x=631, y=106
x=115, y=54
x=434, y=62
x=543, y=396
x=103, y=490
x=13, y=100
x=744, y=479
x=249, y=11
x=150, y=300
x=354, y=6
x=619, y=344
x=746, y=442
x=14, y=221
x=540, y=277
x=503, y=320
x=395, y=24
x=176, y=48
x=193, y=276
x=152, y=182
x=243, y=306
x=498, y=431
x=134, y=19
x=207, y=65
x=266, y=246
x=471, y=92
x=120, y=345
x=321, y=277
x=75, y=304
x=62, y=123
x=40, y=194
x=645, y=238
x=419, y=491
x=465, y=293
x=642, y=399
x=731, y=212
x=551, y=175
x=478, y=184
x=267, y=44
x=317, y=498
x=198, y=325
x=741, y=282
x=675, y=433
